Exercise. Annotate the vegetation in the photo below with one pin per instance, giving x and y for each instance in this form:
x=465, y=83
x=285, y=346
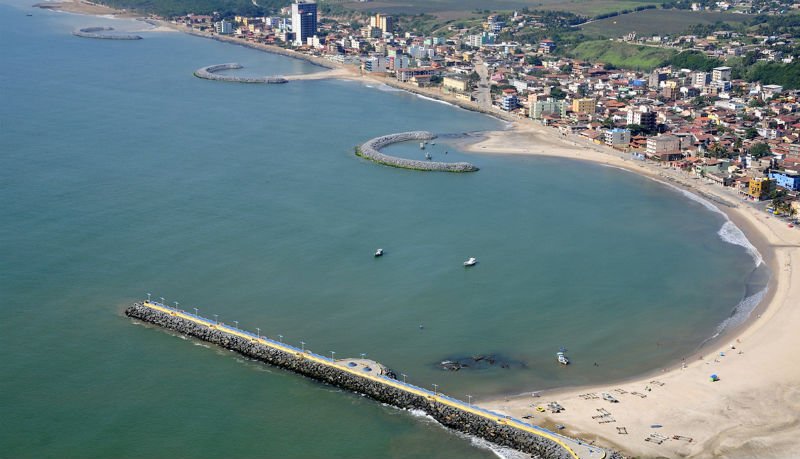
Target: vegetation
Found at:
x=759, y=150
x=694, y=60
x=658, y=22
x=224, y=8
x=622, y=55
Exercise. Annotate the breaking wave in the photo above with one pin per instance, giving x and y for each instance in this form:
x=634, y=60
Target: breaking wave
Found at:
x=499, y=451
x=436, y=100
x=729, y=232
x=740, y=314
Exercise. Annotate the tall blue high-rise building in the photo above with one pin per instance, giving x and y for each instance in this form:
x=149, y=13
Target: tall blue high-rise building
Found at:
x=304, y=20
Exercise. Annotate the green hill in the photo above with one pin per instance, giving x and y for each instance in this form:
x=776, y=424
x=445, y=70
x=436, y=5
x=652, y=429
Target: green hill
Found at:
x=622, y=55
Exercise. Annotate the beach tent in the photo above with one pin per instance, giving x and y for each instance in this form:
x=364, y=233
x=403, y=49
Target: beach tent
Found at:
x=714, y=378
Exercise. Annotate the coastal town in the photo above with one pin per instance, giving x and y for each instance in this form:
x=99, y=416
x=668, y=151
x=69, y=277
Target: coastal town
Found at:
x=714, y=118
x=706, y=123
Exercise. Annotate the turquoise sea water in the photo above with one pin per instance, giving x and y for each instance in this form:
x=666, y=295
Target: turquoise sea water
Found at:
x=122, y=174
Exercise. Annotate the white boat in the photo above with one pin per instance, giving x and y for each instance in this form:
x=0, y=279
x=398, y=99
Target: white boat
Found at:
x=471, y=262
x=428, y=156
x=421, y=145
x=379, y=253
x=562, y=359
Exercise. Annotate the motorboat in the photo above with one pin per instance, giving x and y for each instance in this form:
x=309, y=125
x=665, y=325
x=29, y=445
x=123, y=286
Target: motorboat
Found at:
x=471, y=262
x=379, y=253
x=428, y=156
x=422, y=145
x=562, y=359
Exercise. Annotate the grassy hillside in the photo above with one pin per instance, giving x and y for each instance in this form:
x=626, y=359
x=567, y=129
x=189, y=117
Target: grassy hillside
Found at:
x=451, y=9
x=178, y=7
x=622, y=55
x=656, y=22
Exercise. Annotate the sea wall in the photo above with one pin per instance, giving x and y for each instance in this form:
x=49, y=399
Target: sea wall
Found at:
x=489, y=426
x=371, y=150
x=100, y=32
x=209, y=73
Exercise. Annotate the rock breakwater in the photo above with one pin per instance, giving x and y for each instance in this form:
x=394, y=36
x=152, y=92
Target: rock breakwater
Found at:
x=209, y=73
x=102, y=33
x=378, y=385
x=371, y=150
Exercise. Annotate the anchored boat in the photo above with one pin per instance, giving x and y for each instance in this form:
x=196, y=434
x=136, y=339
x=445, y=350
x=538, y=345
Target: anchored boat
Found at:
x=471, y=262
x=562, y=359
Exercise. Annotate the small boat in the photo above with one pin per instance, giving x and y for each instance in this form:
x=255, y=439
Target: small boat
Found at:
x=428, y=156
x=471, y=262
x=562, y=359
x=379, y=253
x=422, y=145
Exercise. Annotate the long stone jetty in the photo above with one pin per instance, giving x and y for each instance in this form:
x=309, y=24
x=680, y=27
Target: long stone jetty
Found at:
x=101, y=33
x=209, y=73
x=371, y=150
x=373, y=380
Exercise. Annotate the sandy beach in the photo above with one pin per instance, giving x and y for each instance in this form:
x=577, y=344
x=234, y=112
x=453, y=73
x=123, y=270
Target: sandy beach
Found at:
x=752, y=411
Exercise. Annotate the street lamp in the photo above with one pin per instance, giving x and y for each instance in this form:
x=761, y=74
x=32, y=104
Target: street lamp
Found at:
x=148, y=297
x=280, y=339
x=216, y=318
x=303, y=346
x=196, y=312
x=332, y=354
x=404, y=377
x=435, y=386
x=258, y=332
x=237, y=324
x=363, y=355
x=176, y=306
x=470, y=399
x=162, y=300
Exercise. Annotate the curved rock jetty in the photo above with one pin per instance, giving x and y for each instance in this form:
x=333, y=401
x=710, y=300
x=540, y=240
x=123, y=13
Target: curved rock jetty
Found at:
x=371, y=150
x=371, y=379
x=209, y=73
x=99, y=32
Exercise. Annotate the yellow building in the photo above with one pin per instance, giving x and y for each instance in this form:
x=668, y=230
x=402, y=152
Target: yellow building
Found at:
x=583, y=106
x=383, y=22
x=760, y=188
x=455, y=84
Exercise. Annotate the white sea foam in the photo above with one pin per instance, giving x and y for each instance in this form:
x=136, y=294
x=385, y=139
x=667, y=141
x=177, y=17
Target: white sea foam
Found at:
x=437, y=100
x=740, y=313
x=385, y=88
x=499, y=451
x=729, y=232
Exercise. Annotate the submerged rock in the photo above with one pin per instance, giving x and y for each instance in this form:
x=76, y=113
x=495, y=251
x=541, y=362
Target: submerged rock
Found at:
x=479, y=362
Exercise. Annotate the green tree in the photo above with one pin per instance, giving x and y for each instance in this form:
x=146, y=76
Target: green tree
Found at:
x=759, y=150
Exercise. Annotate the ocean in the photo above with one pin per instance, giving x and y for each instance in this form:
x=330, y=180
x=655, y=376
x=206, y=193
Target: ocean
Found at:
x=121, y=174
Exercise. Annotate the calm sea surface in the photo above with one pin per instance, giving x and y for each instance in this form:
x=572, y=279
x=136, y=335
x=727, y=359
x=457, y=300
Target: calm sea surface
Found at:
x=121, y=174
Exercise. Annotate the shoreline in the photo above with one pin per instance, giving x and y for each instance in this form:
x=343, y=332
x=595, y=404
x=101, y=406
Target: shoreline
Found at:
x=718, y=429
x=693, y=406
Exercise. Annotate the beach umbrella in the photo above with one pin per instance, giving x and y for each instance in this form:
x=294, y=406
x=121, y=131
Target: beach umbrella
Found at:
x=714, y=378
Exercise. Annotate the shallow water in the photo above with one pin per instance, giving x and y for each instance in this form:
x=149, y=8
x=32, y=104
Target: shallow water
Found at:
x=122, y=174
